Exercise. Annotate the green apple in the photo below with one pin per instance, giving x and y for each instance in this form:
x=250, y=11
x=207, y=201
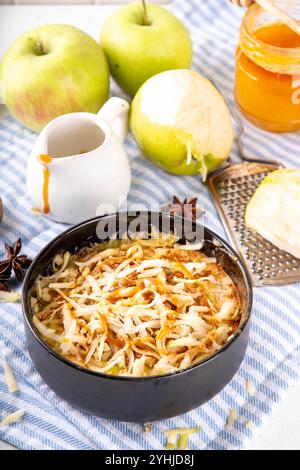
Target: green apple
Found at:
x=53, y=70
x=141, y=43
x=182, y=123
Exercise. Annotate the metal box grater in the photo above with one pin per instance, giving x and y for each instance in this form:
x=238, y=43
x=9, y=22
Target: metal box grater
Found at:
x=231, y=189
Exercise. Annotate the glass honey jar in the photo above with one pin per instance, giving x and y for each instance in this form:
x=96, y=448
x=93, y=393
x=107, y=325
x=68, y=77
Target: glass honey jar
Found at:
x=267, y=85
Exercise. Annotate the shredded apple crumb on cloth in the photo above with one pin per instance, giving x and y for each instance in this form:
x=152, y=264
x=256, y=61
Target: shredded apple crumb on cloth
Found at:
x=10, y=378
x=135, y=308
x=12, y=417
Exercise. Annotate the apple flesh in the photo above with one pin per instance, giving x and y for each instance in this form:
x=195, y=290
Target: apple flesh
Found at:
x=53, y=70
x=136, y=51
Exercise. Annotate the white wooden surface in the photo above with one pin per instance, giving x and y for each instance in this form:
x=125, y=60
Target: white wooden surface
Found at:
x=64, y=2
x=282, y=429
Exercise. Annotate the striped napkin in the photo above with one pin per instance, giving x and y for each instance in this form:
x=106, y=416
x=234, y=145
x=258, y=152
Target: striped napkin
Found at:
x=272, y=361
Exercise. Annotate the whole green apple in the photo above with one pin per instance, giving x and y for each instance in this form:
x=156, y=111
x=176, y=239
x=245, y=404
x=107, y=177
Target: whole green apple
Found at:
x=53, y=70
x=141, y=43
x=182, y=123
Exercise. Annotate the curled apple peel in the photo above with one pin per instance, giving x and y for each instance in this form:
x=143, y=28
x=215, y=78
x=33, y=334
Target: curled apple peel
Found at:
x=182, y=122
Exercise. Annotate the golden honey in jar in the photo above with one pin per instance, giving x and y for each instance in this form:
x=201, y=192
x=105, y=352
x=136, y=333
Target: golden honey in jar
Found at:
x=267, y=86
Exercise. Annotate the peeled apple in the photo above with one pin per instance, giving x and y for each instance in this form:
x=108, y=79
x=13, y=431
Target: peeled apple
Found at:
x=274, y=210
x=182, y=123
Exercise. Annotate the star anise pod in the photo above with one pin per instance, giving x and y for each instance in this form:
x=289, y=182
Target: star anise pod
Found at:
x=5, y=270
x=185, y=208
x=14, y=262
x=5, y=273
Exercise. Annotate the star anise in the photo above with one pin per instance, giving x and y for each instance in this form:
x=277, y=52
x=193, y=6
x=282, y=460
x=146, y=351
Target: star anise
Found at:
x=14, y=262
x=184, y=208
x=5, y=273
x=5, y=270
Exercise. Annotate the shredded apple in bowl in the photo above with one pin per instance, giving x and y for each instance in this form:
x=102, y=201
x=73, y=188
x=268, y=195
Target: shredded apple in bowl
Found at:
x=136, y=308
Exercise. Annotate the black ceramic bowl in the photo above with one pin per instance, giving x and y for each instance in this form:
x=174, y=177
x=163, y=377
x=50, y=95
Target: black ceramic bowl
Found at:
x=129, y=398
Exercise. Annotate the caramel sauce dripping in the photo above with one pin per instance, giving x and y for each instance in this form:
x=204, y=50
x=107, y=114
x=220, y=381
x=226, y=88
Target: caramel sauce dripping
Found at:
x=46, y=208
x=45, y=160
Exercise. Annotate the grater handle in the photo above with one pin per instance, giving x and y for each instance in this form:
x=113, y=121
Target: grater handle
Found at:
x=239, y=137
x=240, y=134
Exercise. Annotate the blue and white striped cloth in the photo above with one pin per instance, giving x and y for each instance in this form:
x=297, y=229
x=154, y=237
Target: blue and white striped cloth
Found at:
x=272, y=361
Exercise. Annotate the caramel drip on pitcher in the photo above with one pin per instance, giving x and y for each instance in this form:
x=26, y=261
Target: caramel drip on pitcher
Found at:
x=45, y=160
x=46, y=208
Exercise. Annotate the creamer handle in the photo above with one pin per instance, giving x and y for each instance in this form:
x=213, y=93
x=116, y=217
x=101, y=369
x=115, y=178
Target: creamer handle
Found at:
x=116, y=113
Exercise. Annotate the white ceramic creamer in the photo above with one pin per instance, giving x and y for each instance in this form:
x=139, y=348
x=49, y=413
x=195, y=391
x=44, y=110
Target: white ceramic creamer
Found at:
x=78, y=167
